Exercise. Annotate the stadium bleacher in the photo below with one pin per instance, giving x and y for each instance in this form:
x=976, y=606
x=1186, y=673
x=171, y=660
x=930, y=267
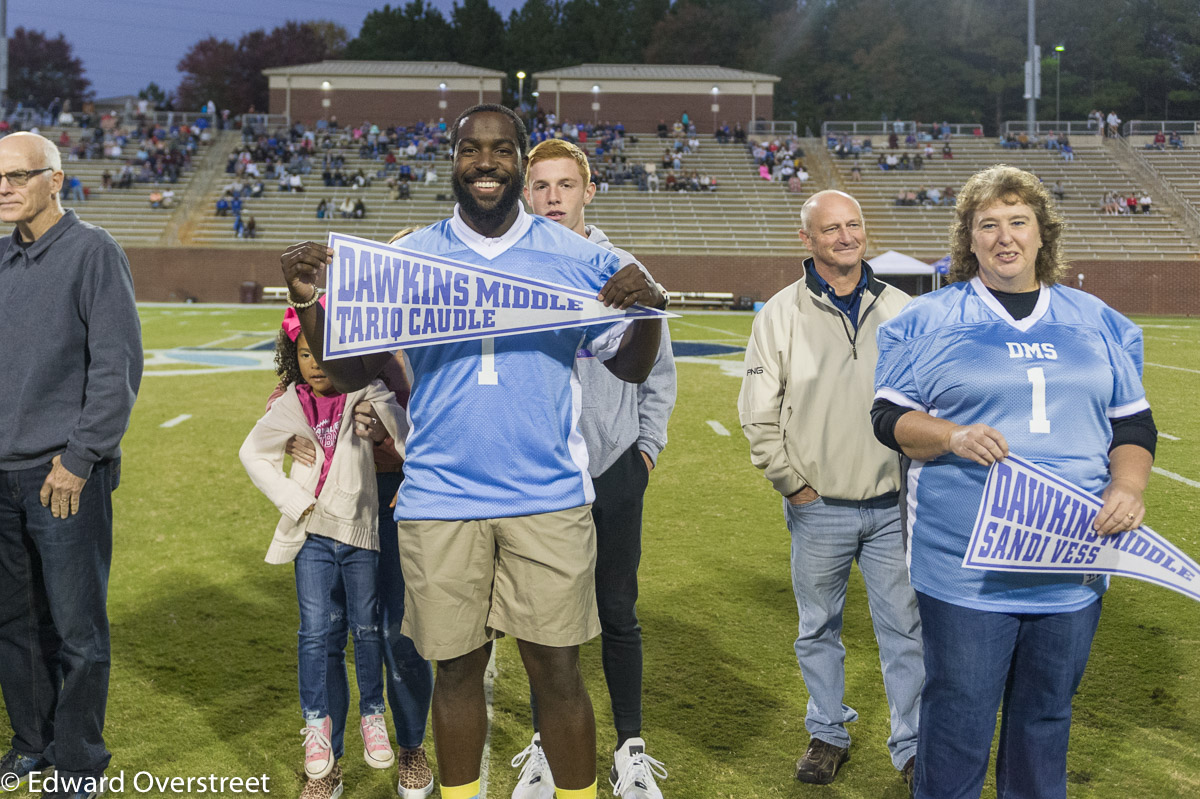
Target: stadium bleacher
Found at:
x=125, y=213
x=921, y=231
x=746, y=216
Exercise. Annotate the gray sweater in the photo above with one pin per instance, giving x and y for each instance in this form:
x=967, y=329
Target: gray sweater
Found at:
x=617, y=414
x=75, y=347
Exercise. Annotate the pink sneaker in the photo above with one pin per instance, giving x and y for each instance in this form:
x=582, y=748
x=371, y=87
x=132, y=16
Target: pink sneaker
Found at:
x=318, y=752
x=377, y=749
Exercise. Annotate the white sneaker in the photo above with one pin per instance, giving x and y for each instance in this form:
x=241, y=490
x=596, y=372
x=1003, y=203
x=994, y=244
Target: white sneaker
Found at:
x=535, y=780
x=633, y=772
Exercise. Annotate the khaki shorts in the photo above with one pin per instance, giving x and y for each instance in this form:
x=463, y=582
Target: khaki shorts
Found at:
x=469, y=582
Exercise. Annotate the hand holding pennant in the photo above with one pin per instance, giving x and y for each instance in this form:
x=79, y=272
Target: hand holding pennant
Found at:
x=386, y=297
x=1030, y=520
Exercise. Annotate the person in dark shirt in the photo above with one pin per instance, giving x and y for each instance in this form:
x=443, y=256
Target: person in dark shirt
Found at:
x=66, y=295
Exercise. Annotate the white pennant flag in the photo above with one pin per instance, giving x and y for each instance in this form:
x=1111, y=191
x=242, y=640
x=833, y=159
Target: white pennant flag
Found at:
x=383, y=297
x=1033, y=521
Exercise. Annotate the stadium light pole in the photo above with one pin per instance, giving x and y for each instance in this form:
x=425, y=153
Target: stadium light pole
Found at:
x=1031, y=78
x=1059, y=50
x=595, y=103
x=716, y=92
x=520, y=88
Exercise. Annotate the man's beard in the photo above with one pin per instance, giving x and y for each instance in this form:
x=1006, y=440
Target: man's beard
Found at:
x=488, y=217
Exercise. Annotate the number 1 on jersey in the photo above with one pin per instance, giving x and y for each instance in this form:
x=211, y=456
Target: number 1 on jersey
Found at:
x=1039, y=423
x=487, y=365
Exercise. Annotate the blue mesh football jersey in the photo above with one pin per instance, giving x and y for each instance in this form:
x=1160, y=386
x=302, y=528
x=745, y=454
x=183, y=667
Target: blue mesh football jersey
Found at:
x=494, y=423
x=1050, y=383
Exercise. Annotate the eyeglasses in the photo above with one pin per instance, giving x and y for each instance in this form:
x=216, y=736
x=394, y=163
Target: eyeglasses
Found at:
x=21, y=177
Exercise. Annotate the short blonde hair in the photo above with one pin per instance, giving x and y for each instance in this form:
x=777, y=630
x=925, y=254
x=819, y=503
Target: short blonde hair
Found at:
x=558, y=148
x=1010, y=186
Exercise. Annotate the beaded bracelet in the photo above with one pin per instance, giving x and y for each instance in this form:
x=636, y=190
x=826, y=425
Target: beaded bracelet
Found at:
x=300, y=306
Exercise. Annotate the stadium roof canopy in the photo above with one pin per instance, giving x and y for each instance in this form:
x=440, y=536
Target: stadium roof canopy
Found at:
x=658, y=72
x=387, y=69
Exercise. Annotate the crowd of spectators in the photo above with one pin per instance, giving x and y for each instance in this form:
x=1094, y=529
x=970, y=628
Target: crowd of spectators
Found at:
x=779, y=159
x=1119, y=203
x=926, y=197
x=1057, y=142
x=725, y=134
x=1163, y=140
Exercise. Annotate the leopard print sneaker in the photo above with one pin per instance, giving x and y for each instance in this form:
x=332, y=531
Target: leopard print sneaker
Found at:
x=327, y=787
x=416, y=778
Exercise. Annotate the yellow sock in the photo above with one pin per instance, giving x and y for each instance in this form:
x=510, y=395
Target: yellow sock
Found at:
x=583, y=793
x=468, y=791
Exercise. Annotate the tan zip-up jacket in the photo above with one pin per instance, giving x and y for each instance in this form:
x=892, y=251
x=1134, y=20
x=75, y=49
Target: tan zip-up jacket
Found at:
x=348, y=508
x=805, y=403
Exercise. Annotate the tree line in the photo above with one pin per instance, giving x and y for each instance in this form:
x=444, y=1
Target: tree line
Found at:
x=930, y=60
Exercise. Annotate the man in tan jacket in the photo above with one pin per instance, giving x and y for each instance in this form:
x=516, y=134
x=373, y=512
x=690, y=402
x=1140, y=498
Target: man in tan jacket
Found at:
x=805, y=407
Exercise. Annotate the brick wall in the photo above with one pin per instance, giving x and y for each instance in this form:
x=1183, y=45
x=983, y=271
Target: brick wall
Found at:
x=163, y=274
x=352, y=106
x=640, y=113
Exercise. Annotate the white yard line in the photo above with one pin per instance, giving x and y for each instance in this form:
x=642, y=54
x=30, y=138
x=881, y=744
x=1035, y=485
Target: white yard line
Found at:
x=489, y=684
x=1168, y=436
x=710, y=329
x=717, y=427
x=180, y=419
x=235, y=335
x=1174, y=476
x=731, y=368
x=1176, y=368
x=1170, y=338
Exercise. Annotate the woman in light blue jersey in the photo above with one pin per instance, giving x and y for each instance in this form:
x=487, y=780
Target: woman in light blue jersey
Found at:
x=1006, y=359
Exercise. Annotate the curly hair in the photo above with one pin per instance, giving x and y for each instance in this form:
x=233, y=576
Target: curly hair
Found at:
x=287, y=360
x=1010, y=186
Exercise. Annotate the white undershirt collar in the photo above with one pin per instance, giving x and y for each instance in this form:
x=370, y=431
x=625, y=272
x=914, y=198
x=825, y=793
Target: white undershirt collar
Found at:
x=491, y=248
x=993, y=304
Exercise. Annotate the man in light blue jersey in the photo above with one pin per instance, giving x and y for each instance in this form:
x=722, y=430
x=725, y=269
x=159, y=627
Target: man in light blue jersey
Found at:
x=496, y=534
x=625, y=428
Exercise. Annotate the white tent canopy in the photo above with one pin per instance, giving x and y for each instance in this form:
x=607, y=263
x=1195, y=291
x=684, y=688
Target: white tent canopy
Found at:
x=896, y=263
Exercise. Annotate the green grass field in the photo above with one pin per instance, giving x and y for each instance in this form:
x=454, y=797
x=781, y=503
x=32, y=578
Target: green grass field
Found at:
x=204, y=632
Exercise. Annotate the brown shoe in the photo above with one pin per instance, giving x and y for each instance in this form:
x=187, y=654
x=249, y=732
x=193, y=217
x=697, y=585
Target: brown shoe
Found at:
x=907, y=773
x=327, y=787
x=821, y=762
x=416, y=778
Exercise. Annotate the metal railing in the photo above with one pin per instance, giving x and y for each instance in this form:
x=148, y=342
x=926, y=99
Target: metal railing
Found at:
x=264, y=122
x=1070, y=127
x=777, y=127
x=1141, y=127
x=1190, y=217
x=899, y=127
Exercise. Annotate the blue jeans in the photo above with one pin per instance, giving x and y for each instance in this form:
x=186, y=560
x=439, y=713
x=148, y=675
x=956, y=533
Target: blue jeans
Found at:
x=320, y=565
x=827, y=537
x=54, y=644
x=409, y=676
x=978, y=661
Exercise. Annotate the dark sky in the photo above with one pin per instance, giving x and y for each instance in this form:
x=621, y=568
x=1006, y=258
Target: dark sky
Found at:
x=125, y=44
